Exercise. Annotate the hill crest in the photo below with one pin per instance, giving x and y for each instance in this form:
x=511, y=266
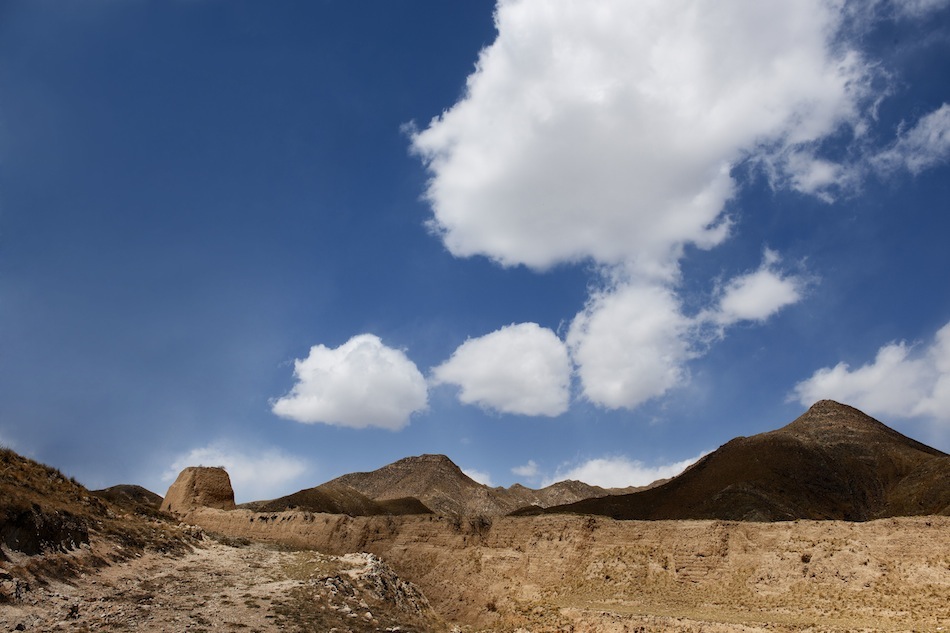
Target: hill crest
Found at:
x=832, y=462
x=441, y=485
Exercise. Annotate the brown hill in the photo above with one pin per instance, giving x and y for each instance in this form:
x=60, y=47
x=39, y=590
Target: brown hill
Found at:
x=567, y=491
x=130, y=497
x=833, y=462
x=52, y=527
x=442, y=486
x=337, y=498
x=432, y=479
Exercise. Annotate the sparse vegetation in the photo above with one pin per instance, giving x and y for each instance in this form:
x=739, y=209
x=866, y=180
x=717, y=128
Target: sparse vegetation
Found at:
x=543, y=573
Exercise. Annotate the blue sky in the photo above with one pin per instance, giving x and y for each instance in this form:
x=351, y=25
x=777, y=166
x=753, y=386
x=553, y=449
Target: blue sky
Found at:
x=547, y=238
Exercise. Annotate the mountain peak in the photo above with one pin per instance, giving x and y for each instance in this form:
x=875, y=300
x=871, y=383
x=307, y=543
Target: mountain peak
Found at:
x=830, y=421
x=432, y=458
x=426, y=462
x=827, y=407
x=832, y=462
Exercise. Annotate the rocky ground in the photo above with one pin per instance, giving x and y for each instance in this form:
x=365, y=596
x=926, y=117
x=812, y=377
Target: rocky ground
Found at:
x=230, y=586
x=540, y=574
x=569, y=573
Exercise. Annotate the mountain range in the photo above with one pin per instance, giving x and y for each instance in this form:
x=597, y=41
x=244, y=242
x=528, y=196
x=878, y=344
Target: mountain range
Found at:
x=427, y=484
x=833, y=462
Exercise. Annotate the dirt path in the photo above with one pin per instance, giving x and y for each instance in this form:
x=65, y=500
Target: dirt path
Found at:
x=222, y=588
x=215, y=587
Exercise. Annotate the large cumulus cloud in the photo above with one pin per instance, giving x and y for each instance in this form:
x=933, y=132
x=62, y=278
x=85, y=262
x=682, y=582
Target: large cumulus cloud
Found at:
x=608, y=132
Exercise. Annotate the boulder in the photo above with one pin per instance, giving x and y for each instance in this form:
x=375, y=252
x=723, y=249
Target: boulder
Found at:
x=199, y=487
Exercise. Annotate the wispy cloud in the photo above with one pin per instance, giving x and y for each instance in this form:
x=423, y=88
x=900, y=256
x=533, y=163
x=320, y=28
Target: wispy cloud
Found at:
x=918, y=8
x=529, y=470
x=925, y=145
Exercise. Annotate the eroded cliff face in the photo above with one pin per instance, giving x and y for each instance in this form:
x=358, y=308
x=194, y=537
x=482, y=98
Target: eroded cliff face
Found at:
x=549, y=572
x=197, y=487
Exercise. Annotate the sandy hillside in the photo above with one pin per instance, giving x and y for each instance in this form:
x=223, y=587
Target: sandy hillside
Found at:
x=517, y=574
x=557, y=572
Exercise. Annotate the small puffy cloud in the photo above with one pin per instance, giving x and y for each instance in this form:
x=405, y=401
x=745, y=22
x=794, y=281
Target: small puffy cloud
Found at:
x=619, y=472
x=806, y=173
x=521, y=368
x=363, y=383
x=608, y=130
x=757, y=295
x=480, y=476
x=630, y=344
x=528, y=470
x=903, y=381
x=255, y=475
x=925, y=145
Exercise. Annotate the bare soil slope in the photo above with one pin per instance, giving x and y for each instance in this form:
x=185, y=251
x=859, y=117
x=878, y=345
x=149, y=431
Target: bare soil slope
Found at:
x=130, y=497
x=833, y=462
x=218, y=587
x=53, y=528
x=563, y=572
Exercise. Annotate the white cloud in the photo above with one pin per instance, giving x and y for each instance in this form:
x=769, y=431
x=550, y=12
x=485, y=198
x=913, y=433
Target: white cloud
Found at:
x=925, y=145
x=528, y=470
x=480, y=476
x=816, y=176
x=632, y=341
x=363, y=383
x=630, y=344
x=520, y=368
x=619, y=472
x=255, y=475
x=903, y=381
x=608, y=130
x=758, y=295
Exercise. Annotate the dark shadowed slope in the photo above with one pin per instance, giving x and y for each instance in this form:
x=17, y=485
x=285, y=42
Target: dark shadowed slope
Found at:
x=53, y=527
x=833, y=462
x=130, y=497
x=337, y=498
